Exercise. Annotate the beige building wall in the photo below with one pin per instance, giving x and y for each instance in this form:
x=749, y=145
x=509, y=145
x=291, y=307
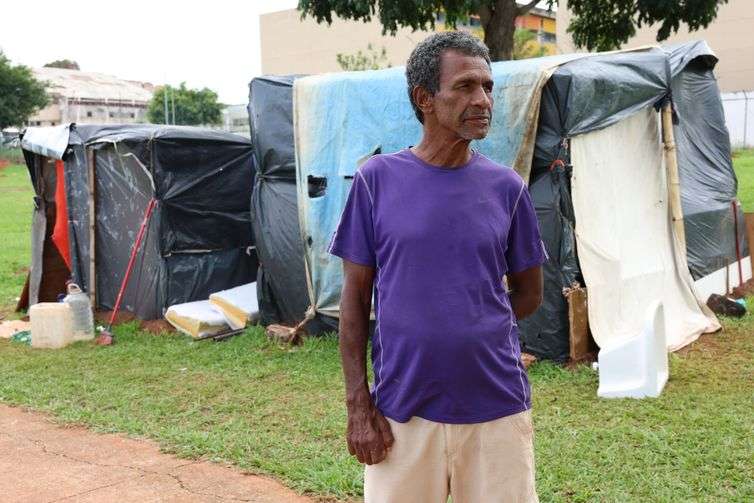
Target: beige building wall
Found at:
x=291, y=45
x=730, y=35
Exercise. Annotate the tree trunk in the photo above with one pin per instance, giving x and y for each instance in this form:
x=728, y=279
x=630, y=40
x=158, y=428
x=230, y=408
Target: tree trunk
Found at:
x=499, y=22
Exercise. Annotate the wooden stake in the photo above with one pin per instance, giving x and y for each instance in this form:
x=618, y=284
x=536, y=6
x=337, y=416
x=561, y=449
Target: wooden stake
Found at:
x=749, y=219
x=674, y=183
x=92, y=286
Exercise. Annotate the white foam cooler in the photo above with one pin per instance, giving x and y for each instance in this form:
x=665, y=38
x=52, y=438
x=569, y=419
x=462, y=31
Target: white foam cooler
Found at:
x=51, y=325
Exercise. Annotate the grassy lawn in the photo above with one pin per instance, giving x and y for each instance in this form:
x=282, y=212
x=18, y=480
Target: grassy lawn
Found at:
x=278, y=411
x=16, y=206
x=743, y=162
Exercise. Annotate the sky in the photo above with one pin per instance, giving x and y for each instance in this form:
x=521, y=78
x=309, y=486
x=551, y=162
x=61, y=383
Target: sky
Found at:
x=212, y=43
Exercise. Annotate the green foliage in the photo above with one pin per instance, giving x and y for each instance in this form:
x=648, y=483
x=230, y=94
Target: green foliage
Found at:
x=395, y=14
x=193, y=107
x=369, y=60
x=21, y=95
x=604, y=25
x=525, y=45
x=67, y=64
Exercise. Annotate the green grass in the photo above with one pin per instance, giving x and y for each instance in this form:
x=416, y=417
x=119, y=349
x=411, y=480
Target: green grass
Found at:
x=280, y=412
x=743, y=162
x=16, y=206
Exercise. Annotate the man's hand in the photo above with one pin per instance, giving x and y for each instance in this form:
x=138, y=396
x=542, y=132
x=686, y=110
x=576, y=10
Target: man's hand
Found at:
x=526, y=291
x=368, y=434
x=369, y=437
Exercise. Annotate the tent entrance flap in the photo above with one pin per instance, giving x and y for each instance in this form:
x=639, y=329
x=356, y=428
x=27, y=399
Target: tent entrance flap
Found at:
x=627, y=251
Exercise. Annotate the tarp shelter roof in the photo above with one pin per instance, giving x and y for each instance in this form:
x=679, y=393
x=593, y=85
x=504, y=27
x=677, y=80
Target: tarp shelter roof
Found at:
x=683, y=53
x=53, y=141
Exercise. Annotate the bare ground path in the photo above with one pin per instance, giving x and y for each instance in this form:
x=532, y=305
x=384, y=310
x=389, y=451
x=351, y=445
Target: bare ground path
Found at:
x=43, y=462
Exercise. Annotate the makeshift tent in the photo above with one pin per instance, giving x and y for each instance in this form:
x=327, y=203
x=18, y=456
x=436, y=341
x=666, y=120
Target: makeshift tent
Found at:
x=596, y=92
x=543, y=108
x=198, y=239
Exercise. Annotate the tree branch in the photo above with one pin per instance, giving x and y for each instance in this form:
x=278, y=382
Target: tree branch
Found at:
x=523, y=9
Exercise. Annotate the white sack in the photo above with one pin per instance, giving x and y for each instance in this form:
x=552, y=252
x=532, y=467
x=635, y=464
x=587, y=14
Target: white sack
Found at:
x=198, y=319
x=238, y=305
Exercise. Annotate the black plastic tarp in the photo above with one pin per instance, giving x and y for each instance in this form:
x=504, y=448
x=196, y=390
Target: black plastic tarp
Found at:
x=281, y=284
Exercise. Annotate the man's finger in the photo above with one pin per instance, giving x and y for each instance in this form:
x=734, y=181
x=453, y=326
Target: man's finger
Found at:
x=378, y=455
x=386, y=431
x=366, y=456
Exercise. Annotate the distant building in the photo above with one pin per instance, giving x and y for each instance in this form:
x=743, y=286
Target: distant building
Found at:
x=729, y=35
x=291, y=45
x=236, y=120
x=85, y=97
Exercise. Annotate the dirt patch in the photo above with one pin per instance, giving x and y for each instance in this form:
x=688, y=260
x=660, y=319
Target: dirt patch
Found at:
x=586, y=359
x=73, y=463
x=4, y=163
x=157, y=327
x=151, y=326
x=706, y=343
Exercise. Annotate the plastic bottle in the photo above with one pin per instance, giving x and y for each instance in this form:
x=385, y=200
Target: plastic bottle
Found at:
x=81, y=313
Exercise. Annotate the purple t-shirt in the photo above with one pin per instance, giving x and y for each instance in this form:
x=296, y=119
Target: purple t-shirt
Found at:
x=445, y=346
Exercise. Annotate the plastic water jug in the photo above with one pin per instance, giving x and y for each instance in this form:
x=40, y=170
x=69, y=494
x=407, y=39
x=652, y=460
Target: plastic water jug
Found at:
x=51, y=325
x=81, y=312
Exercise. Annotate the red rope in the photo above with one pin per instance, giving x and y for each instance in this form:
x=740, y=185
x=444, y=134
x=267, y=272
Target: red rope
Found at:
x=557, y=163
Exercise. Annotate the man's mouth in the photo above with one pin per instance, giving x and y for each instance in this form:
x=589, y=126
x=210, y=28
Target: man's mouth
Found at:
x=482, y=119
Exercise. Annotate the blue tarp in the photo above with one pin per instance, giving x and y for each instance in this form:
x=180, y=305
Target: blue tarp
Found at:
x=342, y=119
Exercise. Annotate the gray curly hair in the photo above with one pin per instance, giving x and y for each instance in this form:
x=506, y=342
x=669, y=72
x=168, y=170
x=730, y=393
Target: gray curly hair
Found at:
x=423, y=66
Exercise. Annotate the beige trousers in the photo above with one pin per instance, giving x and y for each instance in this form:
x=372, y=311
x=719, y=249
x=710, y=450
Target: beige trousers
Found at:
x=490, y=462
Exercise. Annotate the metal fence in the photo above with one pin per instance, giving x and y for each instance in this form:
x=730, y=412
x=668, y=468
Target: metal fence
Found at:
x=739, y=117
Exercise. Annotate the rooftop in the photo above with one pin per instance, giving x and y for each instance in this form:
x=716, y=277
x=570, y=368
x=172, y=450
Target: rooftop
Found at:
x=97, y=86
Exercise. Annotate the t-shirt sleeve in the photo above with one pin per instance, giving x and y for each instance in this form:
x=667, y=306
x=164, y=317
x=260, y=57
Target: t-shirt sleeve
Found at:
x=354, y=237
x=525, y=247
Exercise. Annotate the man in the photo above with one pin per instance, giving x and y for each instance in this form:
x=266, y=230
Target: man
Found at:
x=434, y=229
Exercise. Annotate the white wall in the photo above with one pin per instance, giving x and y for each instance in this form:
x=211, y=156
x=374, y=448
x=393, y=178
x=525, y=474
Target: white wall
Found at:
x=739, y=117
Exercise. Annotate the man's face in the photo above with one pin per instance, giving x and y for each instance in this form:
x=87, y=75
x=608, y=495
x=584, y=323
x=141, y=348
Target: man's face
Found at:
x=463, y=103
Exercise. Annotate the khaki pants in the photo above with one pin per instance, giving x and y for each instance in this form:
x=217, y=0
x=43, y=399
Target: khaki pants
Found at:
x=490, y=462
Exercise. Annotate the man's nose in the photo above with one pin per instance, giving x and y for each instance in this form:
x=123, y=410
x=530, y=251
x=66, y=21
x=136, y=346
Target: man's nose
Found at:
x=481, y=99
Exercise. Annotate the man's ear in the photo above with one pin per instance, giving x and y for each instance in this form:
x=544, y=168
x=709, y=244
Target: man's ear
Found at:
x=423, y=99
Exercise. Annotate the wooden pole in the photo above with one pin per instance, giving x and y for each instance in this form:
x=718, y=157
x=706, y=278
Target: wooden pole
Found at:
x=674, y=183
x=92, y=286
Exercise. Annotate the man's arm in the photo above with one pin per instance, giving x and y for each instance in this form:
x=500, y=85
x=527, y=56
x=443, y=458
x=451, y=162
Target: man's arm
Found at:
x=368, y=433
x=525, y=291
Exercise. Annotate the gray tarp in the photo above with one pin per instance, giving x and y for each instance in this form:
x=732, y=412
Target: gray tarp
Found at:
x=708, y=182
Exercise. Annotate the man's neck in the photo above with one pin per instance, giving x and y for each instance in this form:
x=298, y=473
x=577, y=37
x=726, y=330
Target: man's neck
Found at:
x=439, y=150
